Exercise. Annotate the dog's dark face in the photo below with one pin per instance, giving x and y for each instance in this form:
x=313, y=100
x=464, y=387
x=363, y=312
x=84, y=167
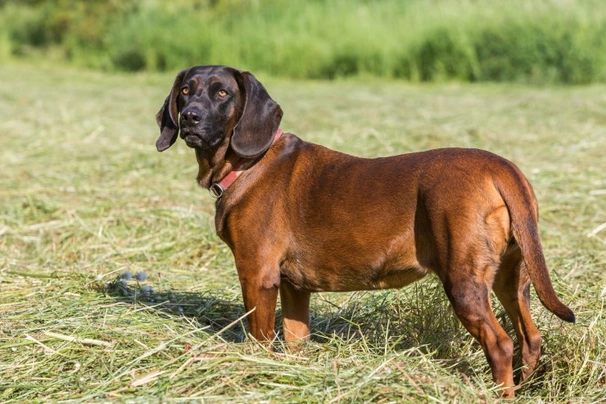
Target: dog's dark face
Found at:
x=209, y=103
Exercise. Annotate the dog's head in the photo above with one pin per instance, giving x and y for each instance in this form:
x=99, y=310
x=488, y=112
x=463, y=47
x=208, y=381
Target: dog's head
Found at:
x=209, y=103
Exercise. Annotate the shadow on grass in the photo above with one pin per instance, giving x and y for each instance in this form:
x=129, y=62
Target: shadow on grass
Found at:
x=418, y=317
x=215, y=313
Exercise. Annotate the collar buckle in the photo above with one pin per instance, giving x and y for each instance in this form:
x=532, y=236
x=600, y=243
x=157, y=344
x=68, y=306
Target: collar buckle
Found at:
x=216, y=190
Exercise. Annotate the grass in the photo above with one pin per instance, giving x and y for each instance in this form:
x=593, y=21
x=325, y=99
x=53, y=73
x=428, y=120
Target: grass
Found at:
x=536, y=41
x=85, y=197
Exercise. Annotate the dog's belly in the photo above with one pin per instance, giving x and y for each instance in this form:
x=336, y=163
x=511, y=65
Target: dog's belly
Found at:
x=399, y=278
x=323, y=278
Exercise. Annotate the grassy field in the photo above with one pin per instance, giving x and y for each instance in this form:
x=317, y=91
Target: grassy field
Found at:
x=84, y=197
x=529, y=41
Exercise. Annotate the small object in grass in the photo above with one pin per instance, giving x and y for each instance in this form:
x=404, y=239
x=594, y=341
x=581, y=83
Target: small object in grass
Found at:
x=140, y=276
x=99, y=277
x=147, y=290
x=127, y=275
x=124, y=282
x=180, y=309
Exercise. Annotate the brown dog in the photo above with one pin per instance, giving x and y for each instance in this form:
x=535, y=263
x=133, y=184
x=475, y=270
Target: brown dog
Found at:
x=300, y=218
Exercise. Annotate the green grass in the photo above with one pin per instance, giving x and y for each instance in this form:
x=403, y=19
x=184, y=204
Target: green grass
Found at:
x=532, y=41
x=84, y=197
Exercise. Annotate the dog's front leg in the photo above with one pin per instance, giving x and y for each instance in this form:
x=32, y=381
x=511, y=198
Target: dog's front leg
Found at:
x=260, y=292
x=295, y=312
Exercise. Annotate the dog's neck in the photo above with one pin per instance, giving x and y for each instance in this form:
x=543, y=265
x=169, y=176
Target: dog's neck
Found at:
x=218, y=170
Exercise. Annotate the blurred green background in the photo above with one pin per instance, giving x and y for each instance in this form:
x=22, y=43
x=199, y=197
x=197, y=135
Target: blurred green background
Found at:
x=528, y=41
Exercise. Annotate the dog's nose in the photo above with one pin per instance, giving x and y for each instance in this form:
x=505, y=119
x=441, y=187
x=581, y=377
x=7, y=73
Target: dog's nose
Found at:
x=190, y=118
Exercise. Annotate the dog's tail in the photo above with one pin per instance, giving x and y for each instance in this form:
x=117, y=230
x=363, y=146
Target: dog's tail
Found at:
x=523, y=210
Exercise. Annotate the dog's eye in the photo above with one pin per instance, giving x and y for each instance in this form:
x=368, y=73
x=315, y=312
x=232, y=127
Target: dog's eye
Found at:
x=185, y=91
x=222, y=93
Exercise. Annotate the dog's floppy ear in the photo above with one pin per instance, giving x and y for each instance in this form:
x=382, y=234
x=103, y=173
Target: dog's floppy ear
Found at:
x=167, y=117
x=259, y=121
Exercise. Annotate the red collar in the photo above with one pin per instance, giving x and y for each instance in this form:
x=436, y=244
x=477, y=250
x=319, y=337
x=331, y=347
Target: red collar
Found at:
x=217, y=188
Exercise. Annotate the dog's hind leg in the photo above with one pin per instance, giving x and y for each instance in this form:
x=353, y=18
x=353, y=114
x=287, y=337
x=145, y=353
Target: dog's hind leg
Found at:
x=512, y=287
x=469, y=295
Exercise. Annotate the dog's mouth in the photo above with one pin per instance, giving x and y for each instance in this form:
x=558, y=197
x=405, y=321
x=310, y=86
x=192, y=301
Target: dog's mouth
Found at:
x=194, y=141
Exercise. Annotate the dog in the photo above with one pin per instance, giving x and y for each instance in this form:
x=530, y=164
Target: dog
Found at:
x=301, y=218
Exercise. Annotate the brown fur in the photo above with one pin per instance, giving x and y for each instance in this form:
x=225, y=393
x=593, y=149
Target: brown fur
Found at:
x=302, y=218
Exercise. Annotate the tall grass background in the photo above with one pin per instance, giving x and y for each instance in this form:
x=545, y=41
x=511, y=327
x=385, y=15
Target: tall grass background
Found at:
x=537, y=41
